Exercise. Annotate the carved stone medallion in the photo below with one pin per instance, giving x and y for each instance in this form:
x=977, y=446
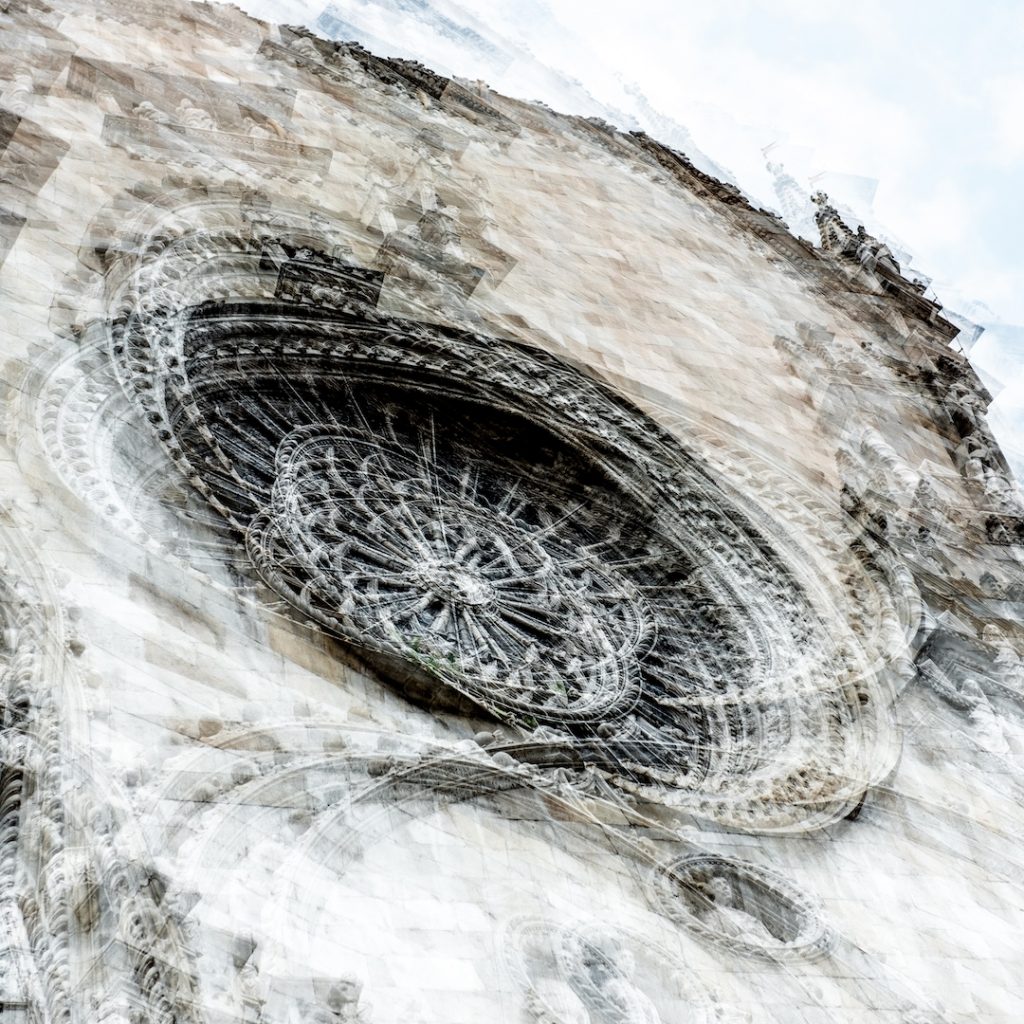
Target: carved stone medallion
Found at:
x=738, y=906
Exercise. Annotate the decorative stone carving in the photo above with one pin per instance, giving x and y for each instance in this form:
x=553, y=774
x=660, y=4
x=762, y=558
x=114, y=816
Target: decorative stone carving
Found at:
x=836, y=236
x=874, y=257
x=253, y=432
x=335, y=1001
x=597, y=975
x=332, y=436
x=49, y=889
x=746, y=909
x=474, y=579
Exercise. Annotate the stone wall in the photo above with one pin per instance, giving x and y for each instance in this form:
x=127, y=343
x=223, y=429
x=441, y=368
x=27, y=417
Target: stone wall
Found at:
x=462, y=563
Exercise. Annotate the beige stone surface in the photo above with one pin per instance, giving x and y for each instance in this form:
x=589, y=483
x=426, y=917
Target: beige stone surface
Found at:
x=219, y=804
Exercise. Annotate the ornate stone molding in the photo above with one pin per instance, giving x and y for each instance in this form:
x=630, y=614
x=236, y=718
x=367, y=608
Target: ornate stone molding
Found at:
x=742, y=908
x=74, y=873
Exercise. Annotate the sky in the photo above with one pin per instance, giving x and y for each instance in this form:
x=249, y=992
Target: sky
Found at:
x=910, y=115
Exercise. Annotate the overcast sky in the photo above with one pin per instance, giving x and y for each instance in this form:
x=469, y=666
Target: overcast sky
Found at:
x=911, y=114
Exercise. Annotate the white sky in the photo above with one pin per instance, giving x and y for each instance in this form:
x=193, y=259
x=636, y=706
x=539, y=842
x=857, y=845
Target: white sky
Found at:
x=911, y=113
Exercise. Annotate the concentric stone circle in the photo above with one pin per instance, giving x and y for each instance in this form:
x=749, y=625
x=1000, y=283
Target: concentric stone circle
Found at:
x=386, y=546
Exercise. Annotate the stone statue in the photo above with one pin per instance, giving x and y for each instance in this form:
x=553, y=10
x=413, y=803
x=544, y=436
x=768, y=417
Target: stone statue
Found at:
x=602, y=973
x=192, y=116
x=376, y=210
x=973, y=454
x=150, y=112
x=873, y=254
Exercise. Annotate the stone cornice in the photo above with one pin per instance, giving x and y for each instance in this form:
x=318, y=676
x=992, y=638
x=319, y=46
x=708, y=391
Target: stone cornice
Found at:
x=842, y=282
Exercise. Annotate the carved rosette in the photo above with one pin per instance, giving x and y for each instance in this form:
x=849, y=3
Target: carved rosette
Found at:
x=412, y=557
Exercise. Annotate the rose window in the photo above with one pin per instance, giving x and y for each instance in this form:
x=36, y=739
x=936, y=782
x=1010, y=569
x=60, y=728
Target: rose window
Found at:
x=485, y=521
x=486, y=588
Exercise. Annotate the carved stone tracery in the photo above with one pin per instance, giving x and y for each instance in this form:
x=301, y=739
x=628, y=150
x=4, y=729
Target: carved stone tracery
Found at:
x=477, y=583
x=481, y=518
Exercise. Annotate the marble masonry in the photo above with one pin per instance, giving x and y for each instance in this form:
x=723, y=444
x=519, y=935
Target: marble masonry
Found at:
x=463, y=564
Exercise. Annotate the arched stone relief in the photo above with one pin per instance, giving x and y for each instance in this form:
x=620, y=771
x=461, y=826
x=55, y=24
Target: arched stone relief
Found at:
x=75, y=876
x=331, y=807
x=27, y=833
x=593, y=974
x=602, y=583
x=741, y=907
x=331, y=813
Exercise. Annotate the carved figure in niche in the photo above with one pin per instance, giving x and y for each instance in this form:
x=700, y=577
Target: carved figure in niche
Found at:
x=976, y=460
x=925, y=546
x=484, y=211
x=1000, y=490
x=602, y=974
x=192, y=116
x=927, y=502
x=433, y=165
x=439, y=227
x=594, y=976
x=148, y=112
x=376, y=209
x=969, y=402
x=742, y=907
x=718, y=906
x=975, y=455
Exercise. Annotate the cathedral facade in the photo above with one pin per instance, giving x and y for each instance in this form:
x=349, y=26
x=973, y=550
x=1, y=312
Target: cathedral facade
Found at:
x=462, y=563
